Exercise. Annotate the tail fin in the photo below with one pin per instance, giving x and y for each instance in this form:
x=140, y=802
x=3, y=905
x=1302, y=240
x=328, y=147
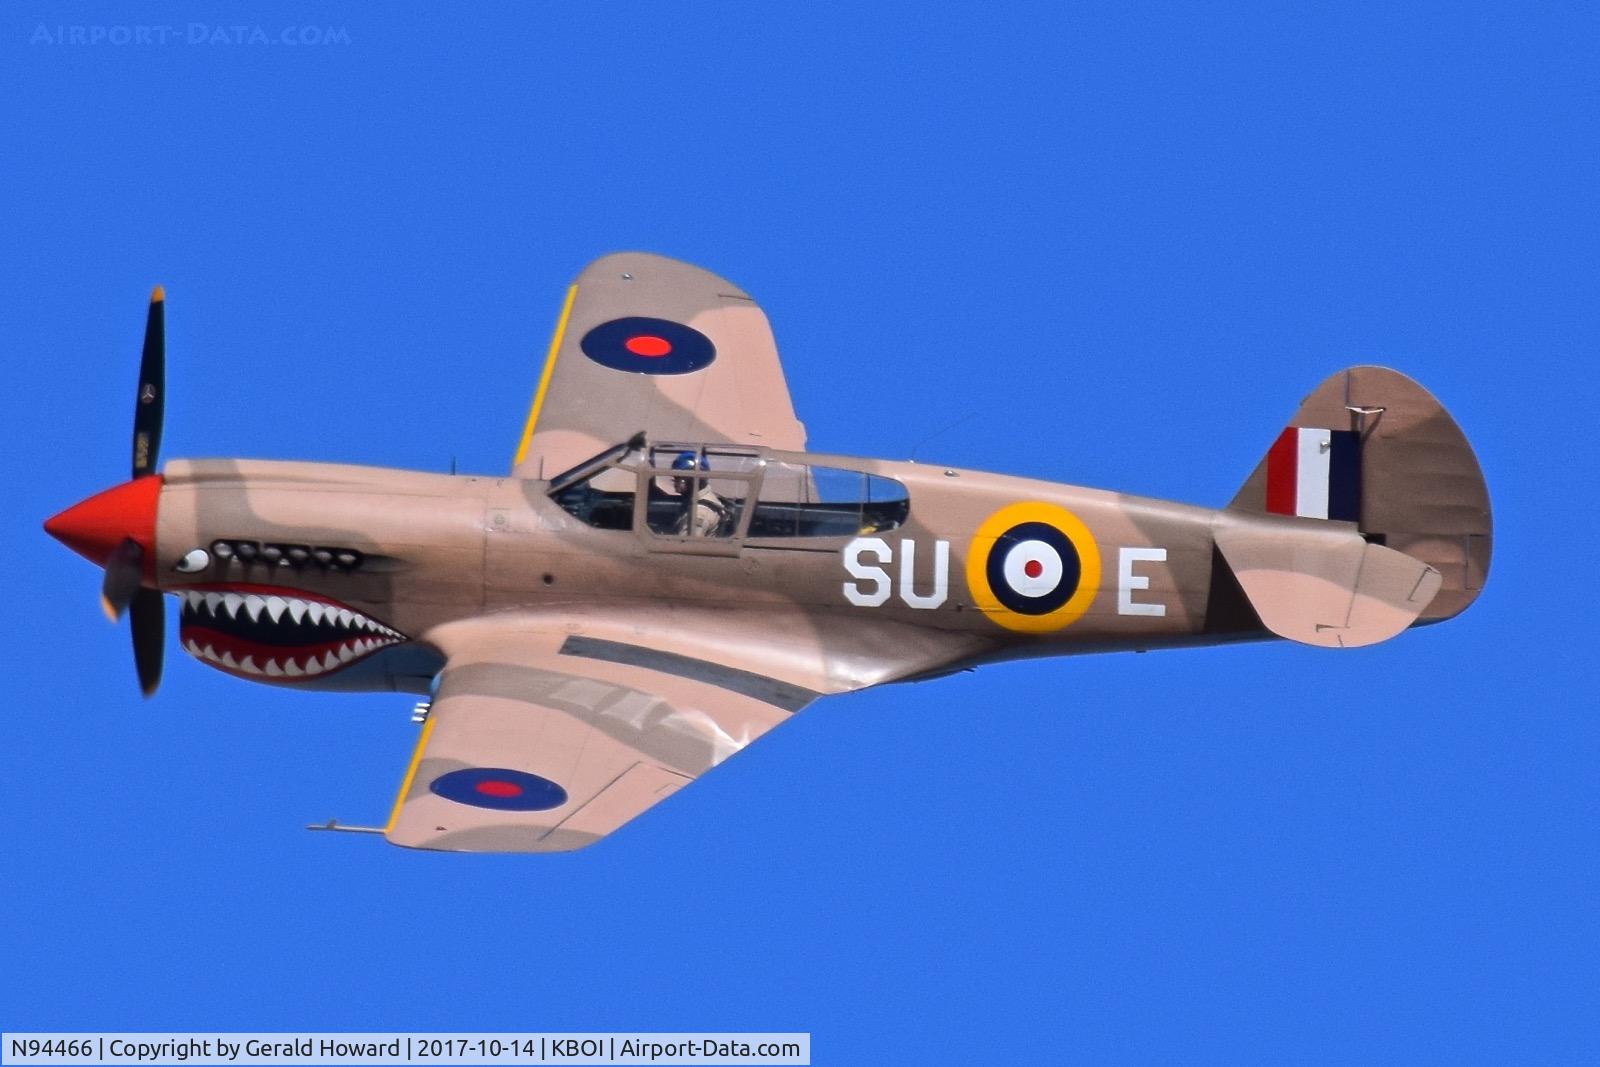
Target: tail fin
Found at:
x=1373, y=449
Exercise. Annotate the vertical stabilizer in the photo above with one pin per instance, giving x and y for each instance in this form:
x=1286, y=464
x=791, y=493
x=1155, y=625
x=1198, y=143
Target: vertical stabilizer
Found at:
x=1372, y=448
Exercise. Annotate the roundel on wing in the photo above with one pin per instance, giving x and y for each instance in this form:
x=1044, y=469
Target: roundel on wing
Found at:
x=648, y=346
x=500, y=789
x=1033, y=567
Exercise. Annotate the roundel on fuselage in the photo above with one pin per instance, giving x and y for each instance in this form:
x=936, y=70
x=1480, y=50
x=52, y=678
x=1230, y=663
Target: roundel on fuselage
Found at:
x=648, y=346
x=1033, y=567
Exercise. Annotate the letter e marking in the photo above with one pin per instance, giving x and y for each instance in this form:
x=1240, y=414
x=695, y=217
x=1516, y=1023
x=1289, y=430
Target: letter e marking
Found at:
x=1127, y=581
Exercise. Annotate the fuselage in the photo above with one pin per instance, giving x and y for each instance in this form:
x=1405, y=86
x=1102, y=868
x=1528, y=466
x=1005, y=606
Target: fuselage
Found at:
x=335, y=576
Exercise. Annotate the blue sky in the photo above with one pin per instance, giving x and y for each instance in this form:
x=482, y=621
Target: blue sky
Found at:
x=1118, y=244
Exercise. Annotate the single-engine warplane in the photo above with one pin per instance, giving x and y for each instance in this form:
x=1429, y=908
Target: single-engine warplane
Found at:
x=666, y=574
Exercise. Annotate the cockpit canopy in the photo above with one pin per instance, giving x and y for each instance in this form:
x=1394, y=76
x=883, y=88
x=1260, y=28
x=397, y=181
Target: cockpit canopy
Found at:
x=726, y=492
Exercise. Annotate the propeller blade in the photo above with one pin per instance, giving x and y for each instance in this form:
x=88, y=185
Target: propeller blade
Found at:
x=149, y=615
x=149, y=618
x=124, y=568
x=147, y=411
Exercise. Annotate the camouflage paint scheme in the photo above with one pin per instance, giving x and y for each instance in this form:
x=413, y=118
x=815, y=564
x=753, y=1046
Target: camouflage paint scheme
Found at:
x=581, y=673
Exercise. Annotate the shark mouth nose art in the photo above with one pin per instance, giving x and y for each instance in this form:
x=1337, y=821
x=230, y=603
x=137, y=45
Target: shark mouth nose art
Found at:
x=263, y=631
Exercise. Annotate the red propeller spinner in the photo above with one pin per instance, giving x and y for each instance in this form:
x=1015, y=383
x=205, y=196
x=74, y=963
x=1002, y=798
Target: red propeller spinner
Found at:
x=96, y=527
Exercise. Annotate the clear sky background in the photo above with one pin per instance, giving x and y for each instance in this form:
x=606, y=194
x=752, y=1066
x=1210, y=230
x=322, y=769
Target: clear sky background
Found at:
x=1114, y=245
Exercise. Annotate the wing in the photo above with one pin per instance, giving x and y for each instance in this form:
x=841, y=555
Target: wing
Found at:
x=649, y=343
x=546, y=742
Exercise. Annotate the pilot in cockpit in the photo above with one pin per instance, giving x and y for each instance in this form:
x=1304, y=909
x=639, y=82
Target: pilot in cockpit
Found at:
x=707, y=515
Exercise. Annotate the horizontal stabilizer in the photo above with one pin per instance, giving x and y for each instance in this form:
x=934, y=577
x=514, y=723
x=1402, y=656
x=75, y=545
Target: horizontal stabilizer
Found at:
x=1324, y=584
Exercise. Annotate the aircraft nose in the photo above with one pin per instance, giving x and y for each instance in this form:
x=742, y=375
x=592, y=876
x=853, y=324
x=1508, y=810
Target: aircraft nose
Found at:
x=94, y=527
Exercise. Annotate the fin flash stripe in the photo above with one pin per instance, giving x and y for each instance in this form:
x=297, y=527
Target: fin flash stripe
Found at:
x=1315, y=473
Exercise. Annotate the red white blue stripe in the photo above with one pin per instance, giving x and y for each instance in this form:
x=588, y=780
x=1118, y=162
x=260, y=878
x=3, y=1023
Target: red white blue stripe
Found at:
x=1315, y=473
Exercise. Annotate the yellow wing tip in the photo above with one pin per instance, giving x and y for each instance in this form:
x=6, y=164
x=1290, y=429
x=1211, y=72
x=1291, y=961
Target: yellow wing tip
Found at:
x=157, y=295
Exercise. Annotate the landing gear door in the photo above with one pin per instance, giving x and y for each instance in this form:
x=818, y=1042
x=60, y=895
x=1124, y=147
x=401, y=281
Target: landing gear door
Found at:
x=697, y=498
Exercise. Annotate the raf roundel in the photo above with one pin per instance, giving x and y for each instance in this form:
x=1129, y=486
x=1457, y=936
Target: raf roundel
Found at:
x=1033, y=567
x=648, y=346
x=500, y=789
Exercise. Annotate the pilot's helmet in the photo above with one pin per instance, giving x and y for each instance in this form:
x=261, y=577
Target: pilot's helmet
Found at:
x=687, y=461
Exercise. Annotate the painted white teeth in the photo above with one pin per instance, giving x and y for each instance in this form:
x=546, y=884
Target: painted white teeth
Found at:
x=361, y=635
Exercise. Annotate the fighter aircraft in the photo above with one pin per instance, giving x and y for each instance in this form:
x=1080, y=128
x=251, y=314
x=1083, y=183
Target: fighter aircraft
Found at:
x=665, y=573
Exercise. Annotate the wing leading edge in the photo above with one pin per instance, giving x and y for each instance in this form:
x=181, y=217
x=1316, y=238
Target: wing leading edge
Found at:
x=649, y=343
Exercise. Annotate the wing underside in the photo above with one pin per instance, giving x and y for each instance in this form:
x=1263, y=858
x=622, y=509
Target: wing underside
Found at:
x=548, y=742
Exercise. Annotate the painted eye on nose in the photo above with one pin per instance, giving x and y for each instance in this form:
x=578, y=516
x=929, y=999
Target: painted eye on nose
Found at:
x=197, y=559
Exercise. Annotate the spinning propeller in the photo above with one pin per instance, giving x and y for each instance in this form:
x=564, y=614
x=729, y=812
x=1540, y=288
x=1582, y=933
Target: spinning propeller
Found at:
x=116, y=528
